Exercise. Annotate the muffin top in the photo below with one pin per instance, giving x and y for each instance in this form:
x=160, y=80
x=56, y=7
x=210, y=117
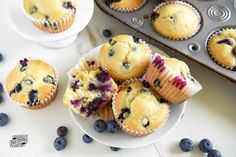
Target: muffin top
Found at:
x=181, y=73
x=88, y=91
x=137, y=108
x=175, y=20
x=125, y=57
x=49, y=9
x=222, y=47
x=31, y=82
x=125, y=5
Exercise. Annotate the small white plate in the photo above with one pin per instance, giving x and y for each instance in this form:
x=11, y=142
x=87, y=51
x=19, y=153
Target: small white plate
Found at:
x=25, y=28
x=122, y=140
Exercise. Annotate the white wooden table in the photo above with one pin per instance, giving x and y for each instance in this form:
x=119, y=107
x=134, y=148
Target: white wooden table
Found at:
x=210, y=114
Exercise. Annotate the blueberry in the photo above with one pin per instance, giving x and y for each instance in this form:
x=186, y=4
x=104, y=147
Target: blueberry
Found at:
x=3, y=119
x=1, y=99
x=87, y=138
x=59, y=143
x=1, y=88
x=99, y=125
x=112, y=126
x=214, y=153
x=205, y=145
x=62, y=131
x=107, y=33
x=115, y=149
x=186, y=145
x=1, y=57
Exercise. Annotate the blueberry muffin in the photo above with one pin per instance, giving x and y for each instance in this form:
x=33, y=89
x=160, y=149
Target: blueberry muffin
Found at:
x=125, y=5
x=52, y=16
x=88, y=63
x=32, y=83
x=175, y=20
x=125, y=57
x=137, y=110
x=172, y=79
x=222, y=48
x=89, y=91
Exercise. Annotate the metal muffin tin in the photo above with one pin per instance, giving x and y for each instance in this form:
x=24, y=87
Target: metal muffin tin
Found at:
x=216, y=14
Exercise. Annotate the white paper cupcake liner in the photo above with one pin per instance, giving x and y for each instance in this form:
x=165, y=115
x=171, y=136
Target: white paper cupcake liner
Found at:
x=42, y=102
x=128, y=9
x=185, y=4
x=168, y=89
x=125, y=128
x=208, y=47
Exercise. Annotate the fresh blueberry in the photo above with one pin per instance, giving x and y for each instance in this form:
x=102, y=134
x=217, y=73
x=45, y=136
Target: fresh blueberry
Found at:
x=115, y=149
x=1, y=99
x=112, y=126
x=1, y=88
x=205, y=145
x=87, y=138
x=1, y=57
x=186, y=145
x=59, y=143
x=62, y=131
x=214, y=153
x=3, y=119
x=107, y=33
x=99, y=125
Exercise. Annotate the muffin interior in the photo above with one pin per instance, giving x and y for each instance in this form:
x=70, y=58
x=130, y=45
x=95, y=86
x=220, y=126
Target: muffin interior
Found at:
x=89, y=90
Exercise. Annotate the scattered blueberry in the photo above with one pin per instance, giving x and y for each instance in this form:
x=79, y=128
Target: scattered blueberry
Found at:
x=3, y=119
x=1, y=57
x=62, y=131
x=99, y=125
x=214, y=153
x=59, y=143
x=112, y=126
x=115, y=149
x=205, y=145
x=1, y=99
x=107, y=33
x=186, y=145
x=1, y=88
x=87, y=138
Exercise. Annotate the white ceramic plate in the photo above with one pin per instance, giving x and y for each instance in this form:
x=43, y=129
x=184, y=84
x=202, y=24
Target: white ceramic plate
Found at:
x=25, y=28
x=121, y=139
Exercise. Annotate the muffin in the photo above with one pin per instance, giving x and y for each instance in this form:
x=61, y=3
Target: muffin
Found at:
x=32, y=83
x=172, y=79
x=89, y=91
x=52, y=16
x=88, y=63
x=125, y=5
x=137, y=110
x=106, y=112
x=175, y=20
x=125, y=57
x=222, y=48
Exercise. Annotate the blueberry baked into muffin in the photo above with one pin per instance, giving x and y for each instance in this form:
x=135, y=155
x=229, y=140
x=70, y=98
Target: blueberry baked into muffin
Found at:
x=89, y=91
x=172, y=79
x=125, y=5
x=222, y=48
x=52, y=16
x=176, y=20
x=32, y=83
x=138, y=110
x=125, y=57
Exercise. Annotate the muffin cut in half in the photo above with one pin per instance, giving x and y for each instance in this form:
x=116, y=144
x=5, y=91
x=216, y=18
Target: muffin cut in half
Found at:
x=89, y=91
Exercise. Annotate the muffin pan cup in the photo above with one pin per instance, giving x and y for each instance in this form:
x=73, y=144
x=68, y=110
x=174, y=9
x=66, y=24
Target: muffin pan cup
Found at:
x=214, y=15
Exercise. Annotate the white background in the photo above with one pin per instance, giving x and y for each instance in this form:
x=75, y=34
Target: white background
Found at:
x=210, y=114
